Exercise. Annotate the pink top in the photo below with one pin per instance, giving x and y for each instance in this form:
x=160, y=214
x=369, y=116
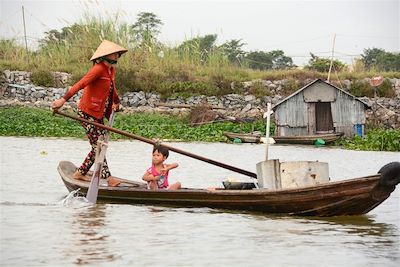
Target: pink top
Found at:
x=163, y=182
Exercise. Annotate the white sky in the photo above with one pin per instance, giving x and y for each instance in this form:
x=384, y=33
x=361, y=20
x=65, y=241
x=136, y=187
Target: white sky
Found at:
x=296, y=27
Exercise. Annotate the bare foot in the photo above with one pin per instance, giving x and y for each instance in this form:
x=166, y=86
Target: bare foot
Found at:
x=175, y=186
x=112, y=181
x=89, y=173
x=79, y=176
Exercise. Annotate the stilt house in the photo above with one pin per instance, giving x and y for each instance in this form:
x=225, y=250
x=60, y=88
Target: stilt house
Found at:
x=320, y=108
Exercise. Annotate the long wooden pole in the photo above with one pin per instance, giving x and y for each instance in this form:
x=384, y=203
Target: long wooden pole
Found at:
x=333, y=53
x=26, y=43
x=149, y=141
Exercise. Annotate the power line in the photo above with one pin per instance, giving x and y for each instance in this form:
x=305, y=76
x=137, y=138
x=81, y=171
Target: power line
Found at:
x=10, y=14
x=301, y=41
x=34, y=17
x=370, y=36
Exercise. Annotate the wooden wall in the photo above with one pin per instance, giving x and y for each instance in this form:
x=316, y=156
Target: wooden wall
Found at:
x=295, y=116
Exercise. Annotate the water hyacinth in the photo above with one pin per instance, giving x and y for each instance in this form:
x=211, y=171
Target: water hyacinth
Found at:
x=20, y=121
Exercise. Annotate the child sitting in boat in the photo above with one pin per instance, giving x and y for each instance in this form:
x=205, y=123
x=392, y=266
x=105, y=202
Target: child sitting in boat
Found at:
x=157, y=175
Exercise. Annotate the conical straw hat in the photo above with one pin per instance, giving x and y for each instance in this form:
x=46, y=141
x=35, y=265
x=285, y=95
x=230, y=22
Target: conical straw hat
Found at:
x=107, y=48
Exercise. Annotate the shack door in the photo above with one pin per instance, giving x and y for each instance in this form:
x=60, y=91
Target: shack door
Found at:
x=323, y=117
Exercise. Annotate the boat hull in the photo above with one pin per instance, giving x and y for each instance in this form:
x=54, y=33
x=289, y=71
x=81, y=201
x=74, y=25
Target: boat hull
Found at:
x=350, y=197
x=307, y=139
x=245, y=138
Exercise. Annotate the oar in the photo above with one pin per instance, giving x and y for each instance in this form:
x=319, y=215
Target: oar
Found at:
x=149, y=141
x=102, y=145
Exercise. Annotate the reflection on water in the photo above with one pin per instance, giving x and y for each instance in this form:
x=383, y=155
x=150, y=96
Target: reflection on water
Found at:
x=40, y=226
x=91, y=244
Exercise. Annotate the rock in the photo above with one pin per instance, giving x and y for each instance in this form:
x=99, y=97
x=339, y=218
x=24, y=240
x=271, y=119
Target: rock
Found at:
x=248, y=98
x=247, y=85
x=246, y=108
x=272, y=86
x=38, y=94
x=7, y=75
x=346, y=83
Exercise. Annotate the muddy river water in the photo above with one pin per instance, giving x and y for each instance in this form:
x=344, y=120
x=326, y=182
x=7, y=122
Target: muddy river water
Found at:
x=40, y=228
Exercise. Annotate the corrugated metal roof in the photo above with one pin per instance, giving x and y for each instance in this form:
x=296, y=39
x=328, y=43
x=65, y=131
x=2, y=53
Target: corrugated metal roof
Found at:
x=308, y=85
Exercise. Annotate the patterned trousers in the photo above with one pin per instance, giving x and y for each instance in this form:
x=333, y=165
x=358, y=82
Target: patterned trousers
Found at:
x=93, y=133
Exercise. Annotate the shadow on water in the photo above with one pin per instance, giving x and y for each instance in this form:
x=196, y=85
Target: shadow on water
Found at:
x=360, y=226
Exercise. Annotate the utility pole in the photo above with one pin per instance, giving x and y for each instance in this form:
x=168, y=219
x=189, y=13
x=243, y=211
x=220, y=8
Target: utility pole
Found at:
x=26, y=42
x=333, y=52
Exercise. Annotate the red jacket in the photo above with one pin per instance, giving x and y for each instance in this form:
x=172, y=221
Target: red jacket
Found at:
x=96, y=87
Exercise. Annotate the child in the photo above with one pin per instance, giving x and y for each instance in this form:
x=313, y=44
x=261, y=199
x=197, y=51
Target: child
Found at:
x=157, y=175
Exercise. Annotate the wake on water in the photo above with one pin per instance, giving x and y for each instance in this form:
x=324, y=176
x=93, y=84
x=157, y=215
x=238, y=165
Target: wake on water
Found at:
x=74, y=199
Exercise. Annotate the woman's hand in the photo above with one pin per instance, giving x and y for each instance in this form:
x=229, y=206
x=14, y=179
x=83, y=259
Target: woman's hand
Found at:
x=58, y=103
x=115, y=107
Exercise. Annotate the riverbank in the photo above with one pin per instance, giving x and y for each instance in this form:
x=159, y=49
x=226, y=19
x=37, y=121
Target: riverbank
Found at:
x=36, y=122
x=17, y=89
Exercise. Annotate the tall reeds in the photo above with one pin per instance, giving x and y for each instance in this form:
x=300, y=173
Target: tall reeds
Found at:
x=148, y=66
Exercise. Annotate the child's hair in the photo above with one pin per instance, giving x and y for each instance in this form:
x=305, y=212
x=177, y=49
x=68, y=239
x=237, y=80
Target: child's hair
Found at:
x=163, y=150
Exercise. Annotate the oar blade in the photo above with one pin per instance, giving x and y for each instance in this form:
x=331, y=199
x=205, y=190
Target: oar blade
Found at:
x=93, y=190
x=102, y=144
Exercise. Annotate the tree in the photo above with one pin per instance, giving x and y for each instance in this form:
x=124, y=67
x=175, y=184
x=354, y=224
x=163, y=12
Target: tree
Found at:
x=381, y=60
x=146, y=28
x=275, y=59
x=280, y=61
x=388, y=62
x=53, y=35
x=198, y=48
x=370, y=56
x=323, y=64
x=259, y=60
x=56, y=37
x=233, y=51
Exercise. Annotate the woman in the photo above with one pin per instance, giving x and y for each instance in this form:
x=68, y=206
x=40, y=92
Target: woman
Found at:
x=98, y=100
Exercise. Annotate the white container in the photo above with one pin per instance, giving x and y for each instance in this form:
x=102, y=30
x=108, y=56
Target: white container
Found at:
x=273, y=174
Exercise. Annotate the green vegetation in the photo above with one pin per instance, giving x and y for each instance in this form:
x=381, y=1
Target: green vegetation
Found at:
x=196, y=66
x=324, y=64
x=380, y=59
x=42, y=78
x=32, y=122
x=377, y=140
x=363, y=88
x=41, y=123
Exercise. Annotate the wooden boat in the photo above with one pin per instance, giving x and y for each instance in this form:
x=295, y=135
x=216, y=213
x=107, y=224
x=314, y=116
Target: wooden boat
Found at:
x=348, y=197
x=244, y=137
x=307, y=139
